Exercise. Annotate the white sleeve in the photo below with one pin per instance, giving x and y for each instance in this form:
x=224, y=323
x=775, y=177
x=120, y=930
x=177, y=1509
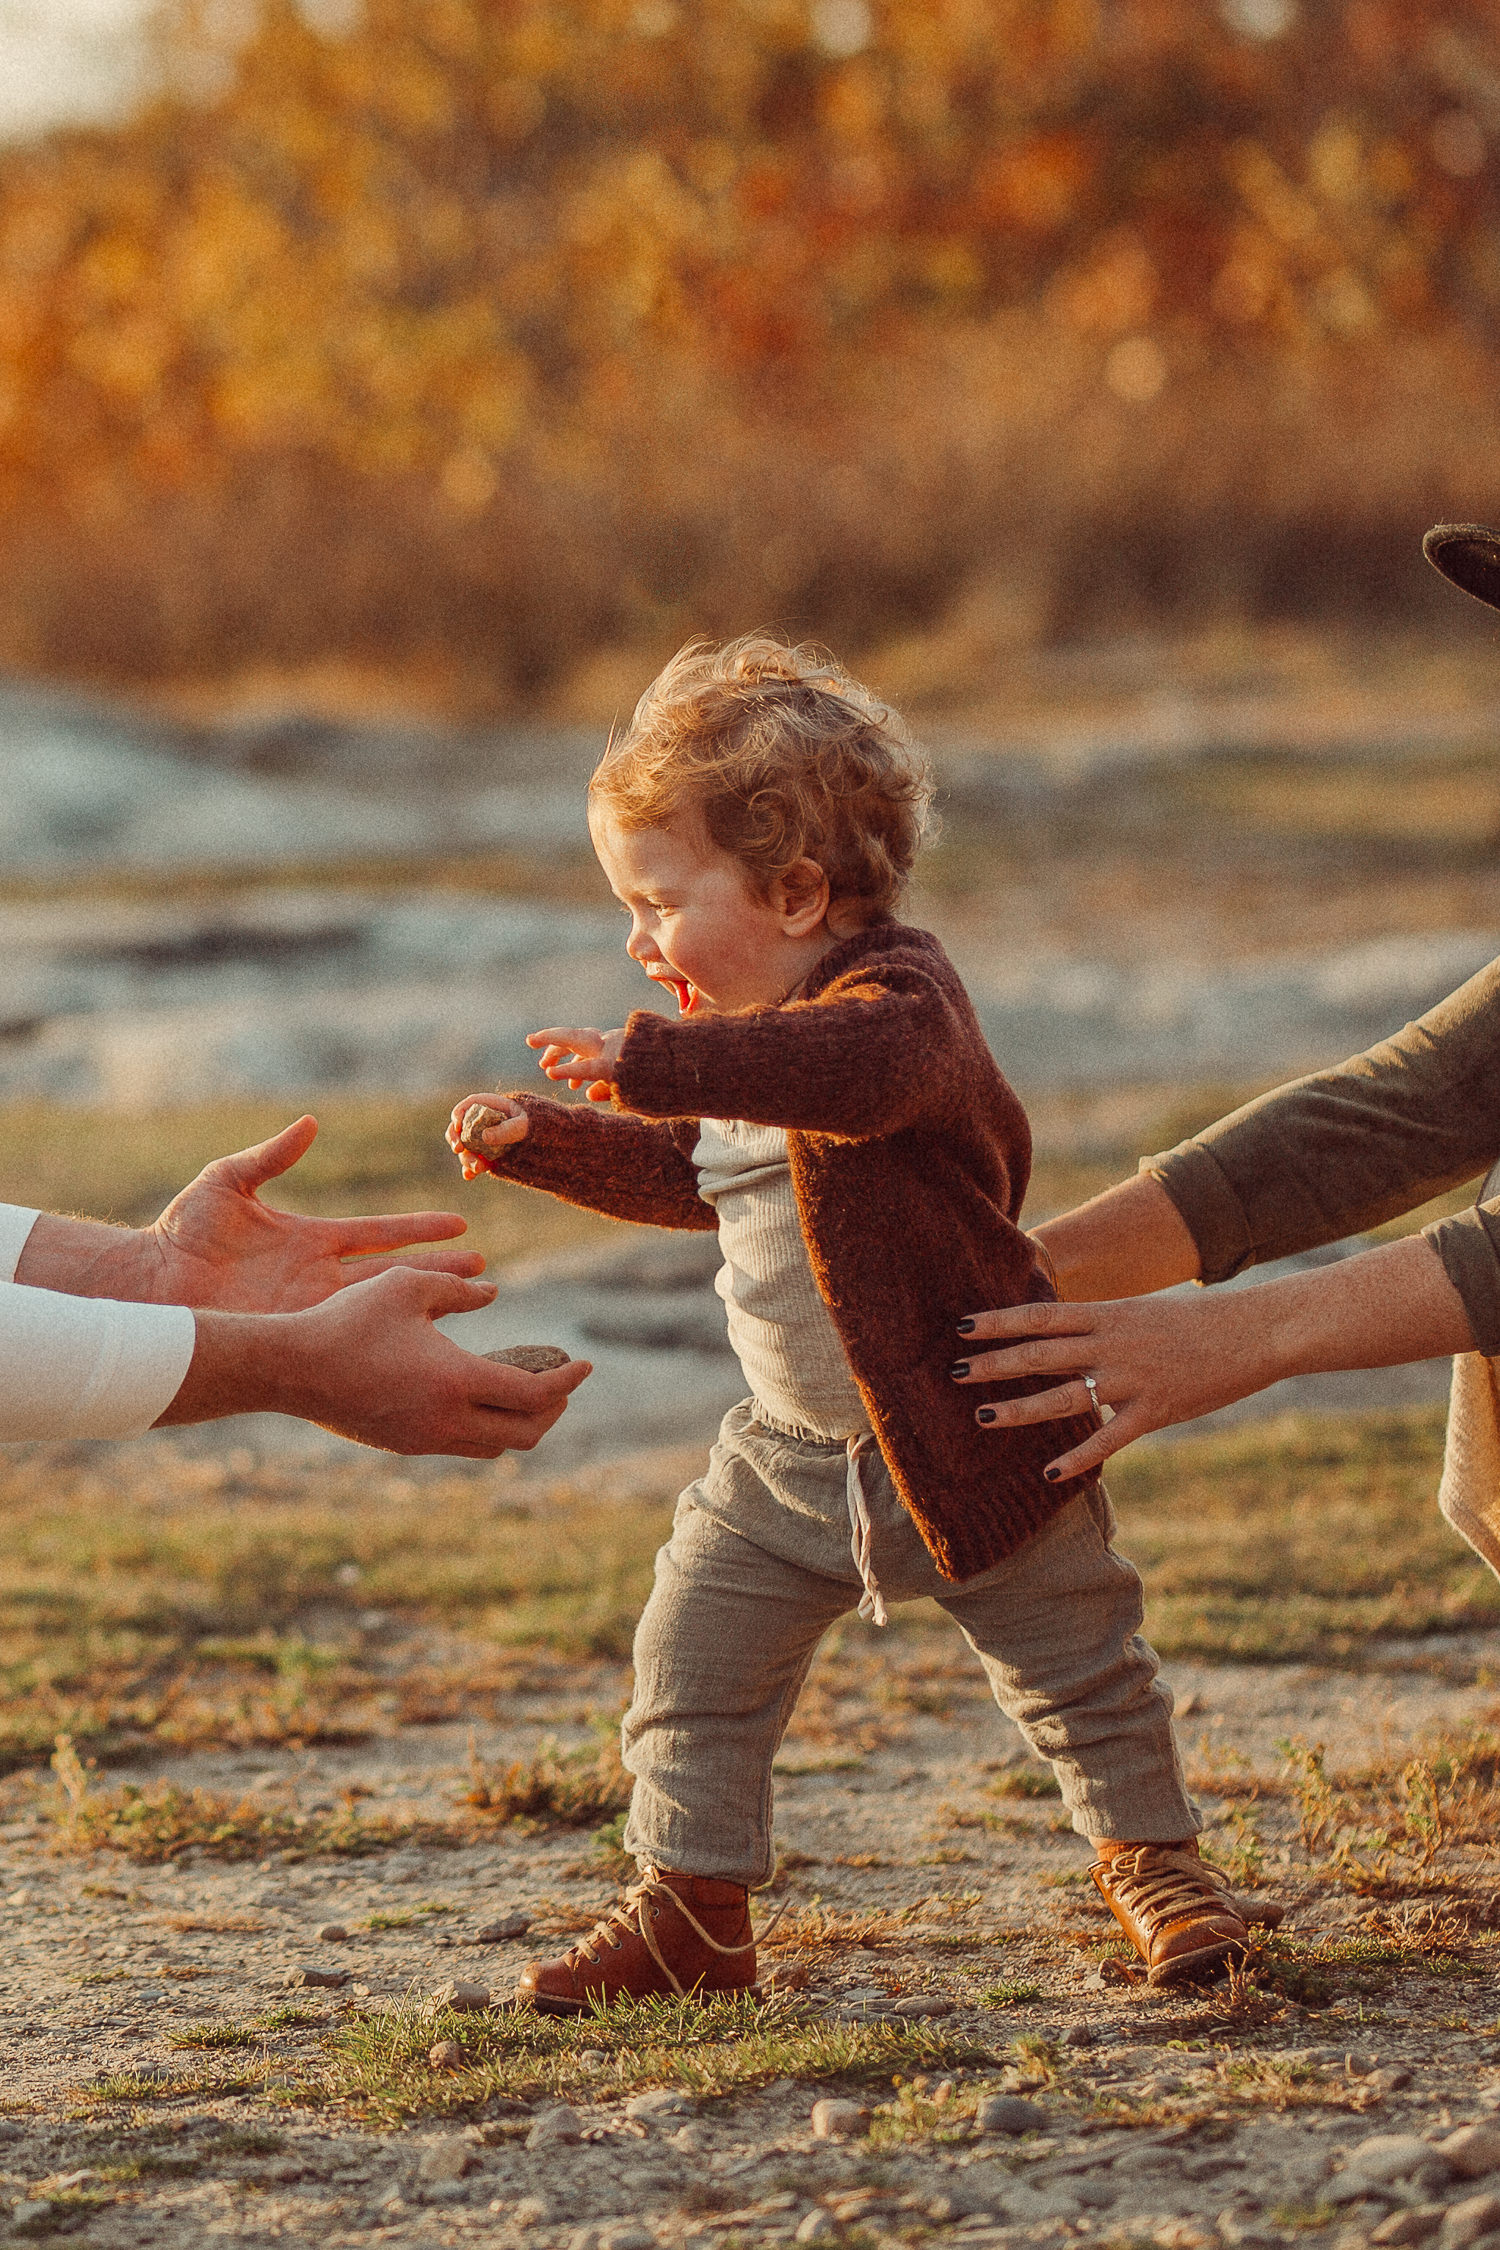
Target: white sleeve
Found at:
x=15, y=1226
x=85, y=1367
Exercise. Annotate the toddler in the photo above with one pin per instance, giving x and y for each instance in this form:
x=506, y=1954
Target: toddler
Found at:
x=826, y=1099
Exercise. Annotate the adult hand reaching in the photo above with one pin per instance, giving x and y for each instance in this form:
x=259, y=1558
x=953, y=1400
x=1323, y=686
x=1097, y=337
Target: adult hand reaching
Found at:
x=216, y=1244
x=369, y=1364
x=1157, y=1361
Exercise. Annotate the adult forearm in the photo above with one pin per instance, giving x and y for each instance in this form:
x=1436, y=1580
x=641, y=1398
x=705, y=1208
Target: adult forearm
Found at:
x=90, y=1258
x=1162, y=1360
x=1381, y=1309
x=1127, y=1242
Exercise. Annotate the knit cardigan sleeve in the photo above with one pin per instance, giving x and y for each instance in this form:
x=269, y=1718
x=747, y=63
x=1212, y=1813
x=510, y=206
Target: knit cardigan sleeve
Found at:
x=872, y=1053
x=627, y=1167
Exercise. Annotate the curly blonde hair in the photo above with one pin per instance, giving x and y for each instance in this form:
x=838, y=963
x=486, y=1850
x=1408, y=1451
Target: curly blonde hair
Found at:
x=785, y=757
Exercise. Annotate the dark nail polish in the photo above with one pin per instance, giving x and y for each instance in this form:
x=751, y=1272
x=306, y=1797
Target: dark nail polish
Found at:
x=1052, y=1475
x=966, y=1328
x=959, y=1368
x=986, y=1415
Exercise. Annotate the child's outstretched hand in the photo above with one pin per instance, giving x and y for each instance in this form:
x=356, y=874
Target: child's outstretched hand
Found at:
x=583, y=1058
x=484, y=1121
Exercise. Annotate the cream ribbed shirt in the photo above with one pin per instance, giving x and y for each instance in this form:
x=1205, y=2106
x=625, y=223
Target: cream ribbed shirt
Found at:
x=779, y=1325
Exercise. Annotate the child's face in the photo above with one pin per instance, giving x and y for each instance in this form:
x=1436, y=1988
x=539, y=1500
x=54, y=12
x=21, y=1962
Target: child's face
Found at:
x=698, y=925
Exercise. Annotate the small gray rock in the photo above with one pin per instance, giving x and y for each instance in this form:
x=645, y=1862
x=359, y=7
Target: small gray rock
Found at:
x=1468, y=2222
x=662, y=2103
x=839, y=2121
x=1393, y=2156
x=921, y=2004
x=464, y=1999
x=315, y=1980
x=499, y=1932
x=1009, y=2113
x=1410, y=2226
x=626, y=2234
x=331, y=1933
x=29, y=2210
x=1390, y=2078
x=451, y=2159
x=1473, y=2151
x=554, y=2127
x=531, y=2211
x=1080, y=2035
x=1093, y=2191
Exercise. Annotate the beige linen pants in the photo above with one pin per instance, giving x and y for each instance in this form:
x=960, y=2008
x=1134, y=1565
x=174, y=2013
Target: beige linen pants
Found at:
x=760, y=1564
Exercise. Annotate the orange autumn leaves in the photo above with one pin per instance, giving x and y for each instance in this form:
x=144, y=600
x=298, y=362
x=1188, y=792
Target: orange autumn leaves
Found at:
x=435, y=244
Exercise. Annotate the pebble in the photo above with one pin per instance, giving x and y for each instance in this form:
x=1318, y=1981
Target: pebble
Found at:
x=531, y=2211
x=816, y=2227
x=1080, y=2035
x=317, y=1980
x=692, y=2138
x=464, y=1999
x=1473, y=2150
x=662, y=2103
x=1410, y=2226
x=450, y=2159
x=626, y=2234
x=839, y=2121
x=29, y=2209
x=1466, y=2222
x=331, y=1933
x=1393, y=2156
x=508, y=1926
x=1389, y=2079
x=921, y=2004
x=555, y=2126
x=445, y=2054
x=1009, y=2113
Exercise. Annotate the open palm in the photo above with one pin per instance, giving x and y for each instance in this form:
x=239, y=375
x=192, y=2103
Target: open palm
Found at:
x=216, y=1244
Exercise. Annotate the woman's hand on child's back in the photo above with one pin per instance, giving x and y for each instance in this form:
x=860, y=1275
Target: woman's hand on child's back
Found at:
x=582, y=1058
x=503, y=1124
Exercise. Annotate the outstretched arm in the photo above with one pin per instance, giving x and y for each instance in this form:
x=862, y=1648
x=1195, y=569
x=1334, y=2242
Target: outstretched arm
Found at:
x=370, y=1365
x=1127, y=1242
x=216, y=1244
x=1167, y=1360
x=627, y=1167
x=868, y=1056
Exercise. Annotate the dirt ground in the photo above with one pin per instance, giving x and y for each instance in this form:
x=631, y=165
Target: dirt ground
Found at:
x=169, y=2083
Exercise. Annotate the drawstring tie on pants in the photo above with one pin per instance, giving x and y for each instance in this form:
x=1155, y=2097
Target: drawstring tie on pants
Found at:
x=861, y=1530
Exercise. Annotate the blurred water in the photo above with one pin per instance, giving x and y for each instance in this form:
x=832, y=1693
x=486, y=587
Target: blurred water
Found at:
x=289, y=985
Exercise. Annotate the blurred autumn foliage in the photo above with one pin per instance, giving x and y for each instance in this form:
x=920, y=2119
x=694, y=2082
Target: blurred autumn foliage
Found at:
x=494, y=331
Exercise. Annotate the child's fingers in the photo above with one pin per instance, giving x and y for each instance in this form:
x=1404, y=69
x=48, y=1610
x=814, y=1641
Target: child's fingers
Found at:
x=601, y=1090
x=567, y=1038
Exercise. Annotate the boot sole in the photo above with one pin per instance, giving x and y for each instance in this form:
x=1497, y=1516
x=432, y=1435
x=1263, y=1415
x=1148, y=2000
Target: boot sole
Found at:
x=1184, y=1967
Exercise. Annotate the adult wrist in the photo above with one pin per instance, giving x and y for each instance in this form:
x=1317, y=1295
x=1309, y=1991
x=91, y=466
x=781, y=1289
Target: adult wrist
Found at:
x=89, y=1258
x=243, y=1363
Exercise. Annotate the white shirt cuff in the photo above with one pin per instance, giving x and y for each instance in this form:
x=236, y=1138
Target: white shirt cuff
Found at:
x=15, y=1227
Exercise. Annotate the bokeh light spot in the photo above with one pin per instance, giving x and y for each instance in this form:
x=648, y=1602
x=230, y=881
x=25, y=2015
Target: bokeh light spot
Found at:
x=842, y=27
x=1136, y=370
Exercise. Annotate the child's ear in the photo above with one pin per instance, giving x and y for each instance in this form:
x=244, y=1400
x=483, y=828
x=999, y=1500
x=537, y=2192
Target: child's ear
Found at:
x=801, y=898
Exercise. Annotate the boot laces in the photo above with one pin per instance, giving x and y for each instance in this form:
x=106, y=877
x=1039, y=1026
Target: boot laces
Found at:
x=630, y=1919
x=1156, y=1885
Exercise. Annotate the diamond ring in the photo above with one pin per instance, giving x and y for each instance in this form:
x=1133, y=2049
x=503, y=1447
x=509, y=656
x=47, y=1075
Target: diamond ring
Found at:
x=1093, y=1390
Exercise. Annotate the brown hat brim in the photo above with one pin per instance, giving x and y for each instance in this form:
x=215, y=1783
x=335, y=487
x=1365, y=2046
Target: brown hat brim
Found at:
x=1468, y=556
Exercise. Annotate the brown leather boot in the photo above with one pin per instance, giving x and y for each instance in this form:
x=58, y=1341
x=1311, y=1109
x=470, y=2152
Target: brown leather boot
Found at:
x=1177, y=1911
x=687, y=1935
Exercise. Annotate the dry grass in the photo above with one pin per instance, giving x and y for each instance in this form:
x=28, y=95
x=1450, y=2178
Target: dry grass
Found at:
x=553, y=1788
x=152, y=1597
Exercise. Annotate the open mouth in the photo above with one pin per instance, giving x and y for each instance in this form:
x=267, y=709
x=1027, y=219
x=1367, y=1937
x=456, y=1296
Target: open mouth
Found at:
x=687, y=992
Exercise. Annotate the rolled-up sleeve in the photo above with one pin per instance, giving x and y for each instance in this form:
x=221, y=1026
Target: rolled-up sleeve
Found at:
x=1344, y=1150
x=82, y=1367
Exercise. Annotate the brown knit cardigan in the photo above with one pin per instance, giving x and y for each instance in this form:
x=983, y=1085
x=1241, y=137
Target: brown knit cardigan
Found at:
x=909, y=1155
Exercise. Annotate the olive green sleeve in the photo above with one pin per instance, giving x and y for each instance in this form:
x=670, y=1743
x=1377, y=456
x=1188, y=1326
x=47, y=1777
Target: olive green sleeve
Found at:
x=1344, y=1150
